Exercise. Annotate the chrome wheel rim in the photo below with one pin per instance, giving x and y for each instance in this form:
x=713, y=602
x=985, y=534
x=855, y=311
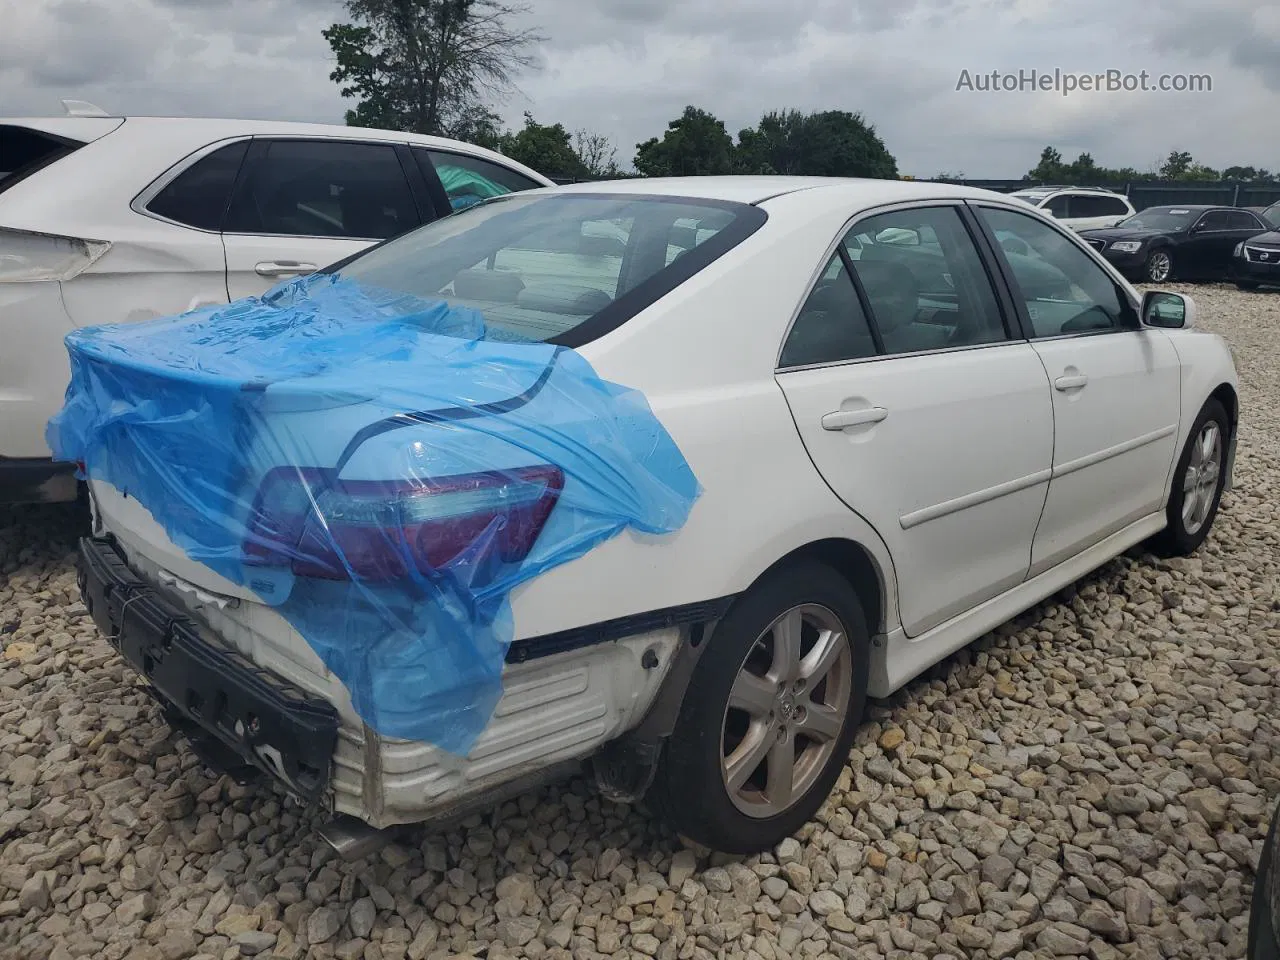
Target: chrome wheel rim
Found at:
x=786, y=710
x=1200, y=483
x=1158, y=268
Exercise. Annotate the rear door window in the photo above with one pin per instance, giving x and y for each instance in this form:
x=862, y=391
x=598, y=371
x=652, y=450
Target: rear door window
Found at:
x=198, y=196
x=1244, y=221
x=467, y=180
x=319, y=188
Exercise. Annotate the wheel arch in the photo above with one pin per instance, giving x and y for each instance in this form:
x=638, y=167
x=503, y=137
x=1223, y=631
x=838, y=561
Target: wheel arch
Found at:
x=1225, y=394
x=855, y=563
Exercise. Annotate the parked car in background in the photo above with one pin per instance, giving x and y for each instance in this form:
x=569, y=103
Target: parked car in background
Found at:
x=1187, y=242
x=1268, y=215
x=1080, y=208
x=890, y=466
x=1255, y=262
x=111, y=219
x=1264, y=915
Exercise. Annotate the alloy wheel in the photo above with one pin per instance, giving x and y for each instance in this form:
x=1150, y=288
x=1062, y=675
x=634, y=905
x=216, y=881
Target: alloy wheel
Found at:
x=1159, y=266
x=1200, y=483
x=786, y=710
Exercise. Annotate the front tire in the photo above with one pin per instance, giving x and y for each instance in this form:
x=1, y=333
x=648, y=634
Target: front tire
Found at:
x=1197, y=483
x=769, y=715
x=1159, y=267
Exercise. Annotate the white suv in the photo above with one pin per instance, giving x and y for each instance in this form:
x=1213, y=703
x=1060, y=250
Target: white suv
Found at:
x=107, y=219
x=1080, y=208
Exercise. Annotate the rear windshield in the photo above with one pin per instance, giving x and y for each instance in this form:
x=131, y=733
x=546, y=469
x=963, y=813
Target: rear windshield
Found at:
x=557, y=268
x=23, y=151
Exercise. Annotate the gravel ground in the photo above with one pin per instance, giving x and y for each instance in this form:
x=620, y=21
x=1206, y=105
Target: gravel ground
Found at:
x=1093, y=780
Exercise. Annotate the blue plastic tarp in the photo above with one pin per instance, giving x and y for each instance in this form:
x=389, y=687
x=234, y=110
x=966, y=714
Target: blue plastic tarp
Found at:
x=375, y=468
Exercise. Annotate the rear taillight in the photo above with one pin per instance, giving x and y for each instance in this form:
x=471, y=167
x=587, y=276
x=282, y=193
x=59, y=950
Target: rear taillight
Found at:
x=28, y=256
x=318, y=526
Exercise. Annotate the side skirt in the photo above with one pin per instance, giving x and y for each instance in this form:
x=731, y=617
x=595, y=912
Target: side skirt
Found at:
x=903, y=658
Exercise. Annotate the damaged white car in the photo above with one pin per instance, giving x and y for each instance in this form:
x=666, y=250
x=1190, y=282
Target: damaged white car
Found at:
x=663, y=476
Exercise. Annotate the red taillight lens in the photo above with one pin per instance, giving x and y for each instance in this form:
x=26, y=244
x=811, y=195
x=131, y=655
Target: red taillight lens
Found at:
x=332, y=529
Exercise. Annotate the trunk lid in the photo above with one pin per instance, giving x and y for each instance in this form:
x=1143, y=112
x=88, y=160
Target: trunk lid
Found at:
x=184, y=419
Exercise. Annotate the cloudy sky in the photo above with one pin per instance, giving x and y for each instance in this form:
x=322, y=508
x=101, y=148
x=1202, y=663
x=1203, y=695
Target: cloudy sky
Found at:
x=625, y=67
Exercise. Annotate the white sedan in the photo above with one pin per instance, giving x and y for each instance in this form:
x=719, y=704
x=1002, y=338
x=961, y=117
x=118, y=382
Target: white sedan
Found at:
x=913, y=411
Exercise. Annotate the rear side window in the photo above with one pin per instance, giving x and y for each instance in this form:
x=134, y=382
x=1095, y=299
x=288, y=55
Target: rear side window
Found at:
x=317, y=188
x=23, y=151
x=1097, y=206
x=832, y=325
x=468, y=180
x=559, y=268
x=1244, y=221
x=198, y=196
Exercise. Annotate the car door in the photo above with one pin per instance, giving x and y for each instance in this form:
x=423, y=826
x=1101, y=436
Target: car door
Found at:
x=921, y=411
x=1116, y=394
x=1207, y=251
x=302, y=204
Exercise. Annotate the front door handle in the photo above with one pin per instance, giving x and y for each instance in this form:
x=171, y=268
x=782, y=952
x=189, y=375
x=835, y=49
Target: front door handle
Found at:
x=839, y=419
x=283, y=268
x=1070, y=382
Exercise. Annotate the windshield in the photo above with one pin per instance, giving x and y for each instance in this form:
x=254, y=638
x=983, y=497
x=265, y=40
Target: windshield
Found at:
x=1032, y=198
x=1162, y=218
x=556, y=267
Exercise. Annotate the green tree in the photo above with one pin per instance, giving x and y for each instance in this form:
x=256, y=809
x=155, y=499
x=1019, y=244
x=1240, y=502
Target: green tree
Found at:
x=1050, y=169
x=426, y=65
x=480, y=126
x=828, y=143
x=1176, y=165
x=545, y=148
x=694, y=144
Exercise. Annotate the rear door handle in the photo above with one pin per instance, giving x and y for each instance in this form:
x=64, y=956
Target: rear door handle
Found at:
x=839, y=419
x=1070, y=382
x=283, y=268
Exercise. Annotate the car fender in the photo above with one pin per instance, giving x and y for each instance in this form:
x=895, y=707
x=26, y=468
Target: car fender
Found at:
x=1207, y=369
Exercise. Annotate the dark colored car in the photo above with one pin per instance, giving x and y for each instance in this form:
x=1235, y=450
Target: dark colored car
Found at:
x=1255, y=262
x=1264, y=917
x=1188, y=242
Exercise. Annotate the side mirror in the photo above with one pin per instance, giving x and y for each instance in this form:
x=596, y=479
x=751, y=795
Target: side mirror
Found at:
x=1170, y=311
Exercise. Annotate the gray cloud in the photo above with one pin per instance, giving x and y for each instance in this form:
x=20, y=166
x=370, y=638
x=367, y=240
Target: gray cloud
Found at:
x=626, y=67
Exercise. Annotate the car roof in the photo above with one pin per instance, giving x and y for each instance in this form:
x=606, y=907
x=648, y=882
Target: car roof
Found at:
x=213, y=128
x=757, y=189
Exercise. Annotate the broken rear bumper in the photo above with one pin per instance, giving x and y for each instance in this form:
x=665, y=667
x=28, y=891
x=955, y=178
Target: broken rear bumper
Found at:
x=236, y=715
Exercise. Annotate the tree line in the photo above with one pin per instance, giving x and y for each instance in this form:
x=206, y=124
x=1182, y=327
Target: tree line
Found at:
x=434, y=66
x=1178, y=165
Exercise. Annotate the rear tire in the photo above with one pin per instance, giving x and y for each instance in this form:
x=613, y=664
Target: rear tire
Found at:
x=746, y=717
x=1197, y=483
